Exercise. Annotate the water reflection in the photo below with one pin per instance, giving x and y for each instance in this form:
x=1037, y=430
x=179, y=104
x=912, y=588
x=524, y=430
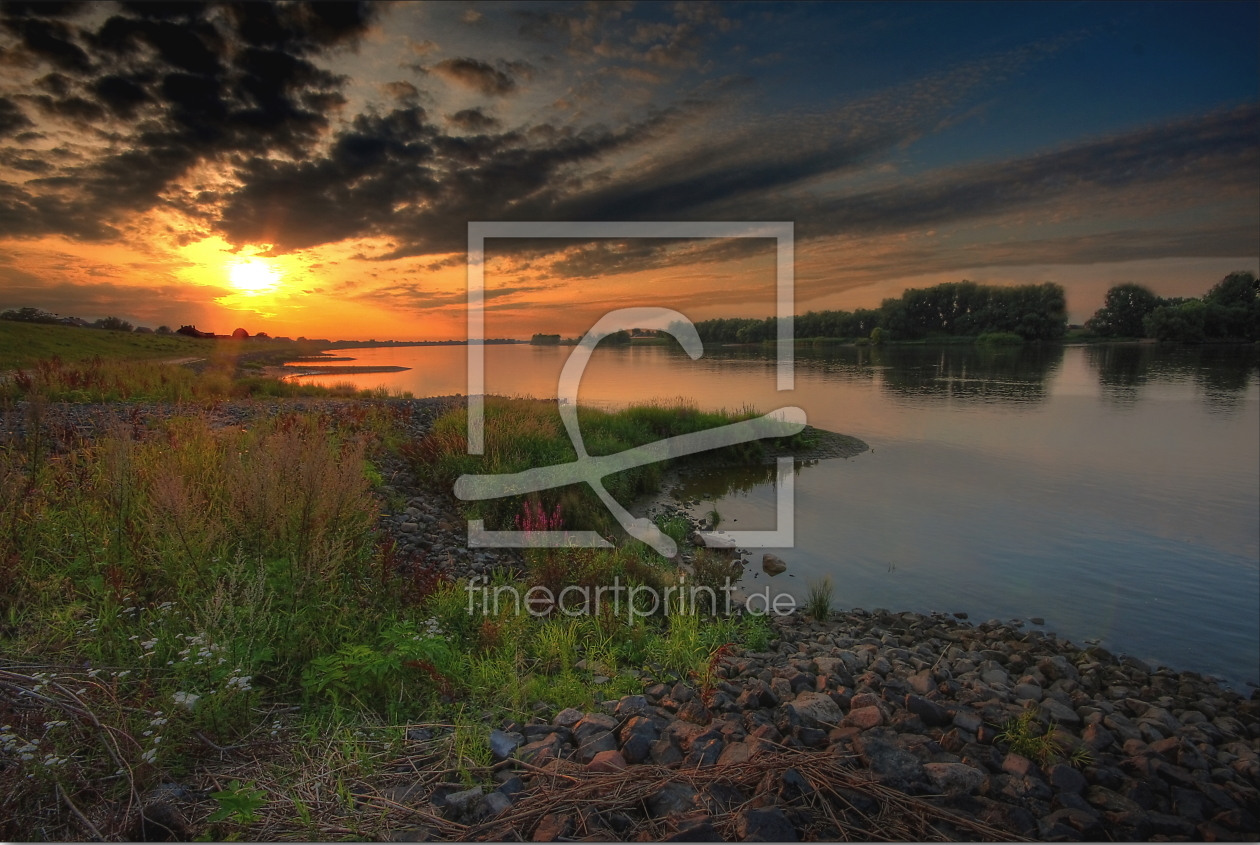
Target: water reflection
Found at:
x=918, y=374
x=1222, y=372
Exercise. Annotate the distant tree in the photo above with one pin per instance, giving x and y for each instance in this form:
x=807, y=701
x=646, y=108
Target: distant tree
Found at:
x=1184, y=322
x=617, y=339
x=1233, y=308
x=877, y=335
x=113, y=324
x=240, y=334
x=163, y=330
x=30, y=315
x=1124, y=309
x=541, y=339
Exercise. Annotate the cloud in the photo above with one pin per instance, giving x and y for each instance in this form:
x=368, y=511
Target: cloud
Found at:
x=157, y=89
x=476, y=75
x=149, y=305
x=473, y=120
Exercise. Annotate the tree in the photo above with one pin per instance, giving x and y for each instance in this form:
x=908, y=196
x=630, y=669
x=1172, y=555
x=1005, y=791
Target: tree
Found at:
x=1184, y=322
x=30, y=315
x=113, y=324
x=1124, y=309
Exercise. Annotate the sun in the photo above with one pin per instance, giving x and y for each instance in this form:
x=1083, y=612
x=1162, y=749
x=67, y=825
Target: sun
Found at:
x=253, y=276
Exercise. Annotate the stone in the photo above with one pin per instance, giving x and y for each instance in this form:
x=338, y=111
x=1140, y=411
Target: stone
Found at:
x=1027, y=692
x=553, y=826
x=672, y=799
x=932, y=714
x=607, y=762
x=1019, y=766
x=967, y=721
x=888, y=762
x=593, y=723
x=568, y=717
x=693, y=827
x=704, y=752
x=1064, y=778
x=492, y=805
x=1056, y=711
x=595, y=744
x=816, y=709
x=631, y=705
x=538, y=752
x=1098, y=737
x=864, y=718
x=459, y=804
x=694, y=711
x=738, y=752
x=772, y=564
x=1110, y=801
x=503, y=743
x=954, y=778
x=764, y=825
x=665, y=753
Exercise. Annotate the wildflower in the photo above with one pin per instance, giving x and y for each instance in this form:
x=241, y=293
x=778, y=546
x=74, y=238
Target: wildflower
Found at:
x=186, y=699
x=149, y=756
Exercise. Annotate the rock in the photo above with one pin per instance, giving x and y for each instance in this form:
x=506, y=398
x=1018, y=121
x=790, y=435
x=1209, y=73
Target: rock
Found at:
x=888, y=762
x=738, y=752
x=665, y=753
x=503, y=743
x=552, y=827
x=1055, y=711
x=492, y=805
x=816, y=709
x=968, y=722
x=460, y=804
x=672, y=799
x=1027, y=692
x=637, y=736
x=631, y=705
x=932, y=714
x=954, y=778
x=1037, y=620
x=764, y=825
x=693, y=827
x=1098, y=737
x=568, y=717
x=606, y=761
x=864, y=718
x=594, y=745
x=593, y=723
x=538, y=752
x=695, y=712
x=1085, y=823
x=772, y=564
x=1112, y=802
x=1019, y=766
x=1064, y=778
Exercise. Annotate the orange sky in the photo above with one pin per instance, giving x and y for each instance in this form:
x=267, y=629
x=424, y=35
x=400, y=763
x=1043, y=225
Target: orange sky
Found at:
x=318, y=182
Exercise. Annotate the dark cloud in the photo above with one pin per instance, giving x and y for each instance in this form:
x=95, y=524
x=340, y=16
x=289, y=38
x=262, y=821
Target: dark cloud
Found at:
x=476, y=75
x=152, y=305
x=12, y=118
x=173, y=85
x=473, y=120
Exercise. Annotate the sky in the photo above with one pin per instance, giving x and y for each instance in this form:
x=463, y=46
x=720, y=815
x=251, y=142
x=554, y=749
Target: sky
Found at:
x=311, y=169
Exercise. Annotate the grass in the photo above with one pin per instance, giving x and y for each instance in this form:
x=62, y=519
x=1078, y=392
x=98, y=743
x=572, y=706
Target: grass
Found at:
x=22, y=344
x=818, y=601
x=522, y=434
x=174, y=591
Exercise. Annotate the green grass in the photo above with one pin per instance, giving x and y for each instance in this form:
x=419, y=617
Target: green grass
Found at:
x=22, y=344
x=522, y=434
x=195, y=588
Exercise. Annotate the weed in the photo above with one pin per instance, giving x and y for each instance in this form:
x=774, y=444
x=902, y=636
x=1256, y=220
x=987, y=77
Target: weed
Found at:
x=240, y=802
x=818, y=601
x=1022, y=735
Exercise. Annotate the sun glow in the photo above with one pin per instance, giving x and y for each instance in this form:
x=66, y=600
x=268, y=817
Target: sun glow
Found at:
x=253, y=276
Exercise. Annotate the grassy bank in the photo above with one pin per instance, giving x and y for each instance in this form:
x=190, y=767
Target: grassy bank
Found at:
x=523, y=434
x=175, y=591
x=23, y=344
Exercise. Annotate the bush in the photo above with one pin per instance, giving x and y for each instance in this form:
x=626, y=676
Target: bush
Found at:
x=999, y=339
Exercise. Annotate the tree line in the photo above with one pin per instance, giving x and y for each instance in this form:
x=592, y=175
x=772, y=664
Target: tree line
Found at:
x=954, y=309
x=1229, y=311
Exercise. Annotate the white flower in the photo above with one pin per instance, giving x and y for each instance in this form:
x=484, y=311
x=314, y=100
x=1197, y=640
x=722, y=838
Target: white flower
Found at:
x=186, y=699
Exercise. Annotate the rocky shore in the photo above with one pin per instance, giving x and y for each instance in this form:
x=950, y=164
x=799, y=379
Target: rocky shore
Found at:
x=840, y=729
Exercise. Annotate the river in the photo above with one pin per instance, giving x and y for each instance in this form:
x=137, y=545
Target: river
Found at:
x=1112, y=490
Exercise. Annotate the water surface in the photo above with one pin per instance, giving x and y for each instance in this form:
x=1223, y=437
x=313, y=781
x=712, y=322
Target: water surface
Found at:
x=1112, y=490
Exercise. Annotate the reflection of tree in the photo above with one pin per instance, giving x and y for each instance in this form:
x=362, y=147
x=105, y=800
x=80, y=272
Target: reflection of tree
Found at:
x=969, y=373
x=718, y=481
x=1222, y=372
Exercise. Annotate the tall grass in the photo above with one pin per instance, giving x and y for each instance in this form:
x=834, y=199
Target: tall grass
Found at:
x=111, y=380
x=522, y=434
